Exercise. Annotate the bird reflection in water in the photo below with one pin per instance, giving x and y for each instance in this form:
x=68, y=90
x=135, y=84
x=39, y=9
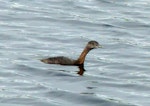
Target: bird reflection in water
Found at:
x=81, y=70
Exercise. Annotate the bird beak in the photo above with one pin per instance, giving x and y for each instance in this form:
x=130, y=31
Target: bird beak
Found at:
x=99, y=46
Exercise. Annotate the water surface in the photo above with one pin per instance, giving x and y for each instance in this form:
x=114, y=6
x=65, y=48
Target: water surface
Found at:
x=116, y=75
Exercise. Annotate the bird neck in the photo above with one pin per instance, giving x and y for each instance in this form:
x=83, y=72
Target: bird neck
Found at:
x=83, y=55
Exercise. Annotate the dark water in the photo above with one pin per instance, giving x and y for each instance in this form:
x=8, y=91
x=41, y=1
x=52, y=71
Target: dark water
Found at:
x=116, y=75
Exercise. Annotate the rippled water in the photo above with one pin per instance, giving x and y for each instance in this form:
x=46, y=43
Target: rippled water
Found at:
x=116, y=75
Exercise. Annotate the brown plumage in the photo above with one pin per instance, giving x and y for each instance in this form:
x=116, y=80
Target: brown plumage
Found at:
x=67, y=61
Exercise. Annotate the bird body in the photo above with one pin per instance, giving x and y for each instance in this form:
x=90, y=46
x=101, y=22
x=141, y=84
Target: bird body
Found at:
x=59, y=60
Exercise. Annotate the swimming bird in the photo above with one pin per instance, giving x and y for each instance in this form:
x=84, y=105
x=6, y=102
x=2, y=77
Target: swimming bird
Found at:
x=67, y=61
